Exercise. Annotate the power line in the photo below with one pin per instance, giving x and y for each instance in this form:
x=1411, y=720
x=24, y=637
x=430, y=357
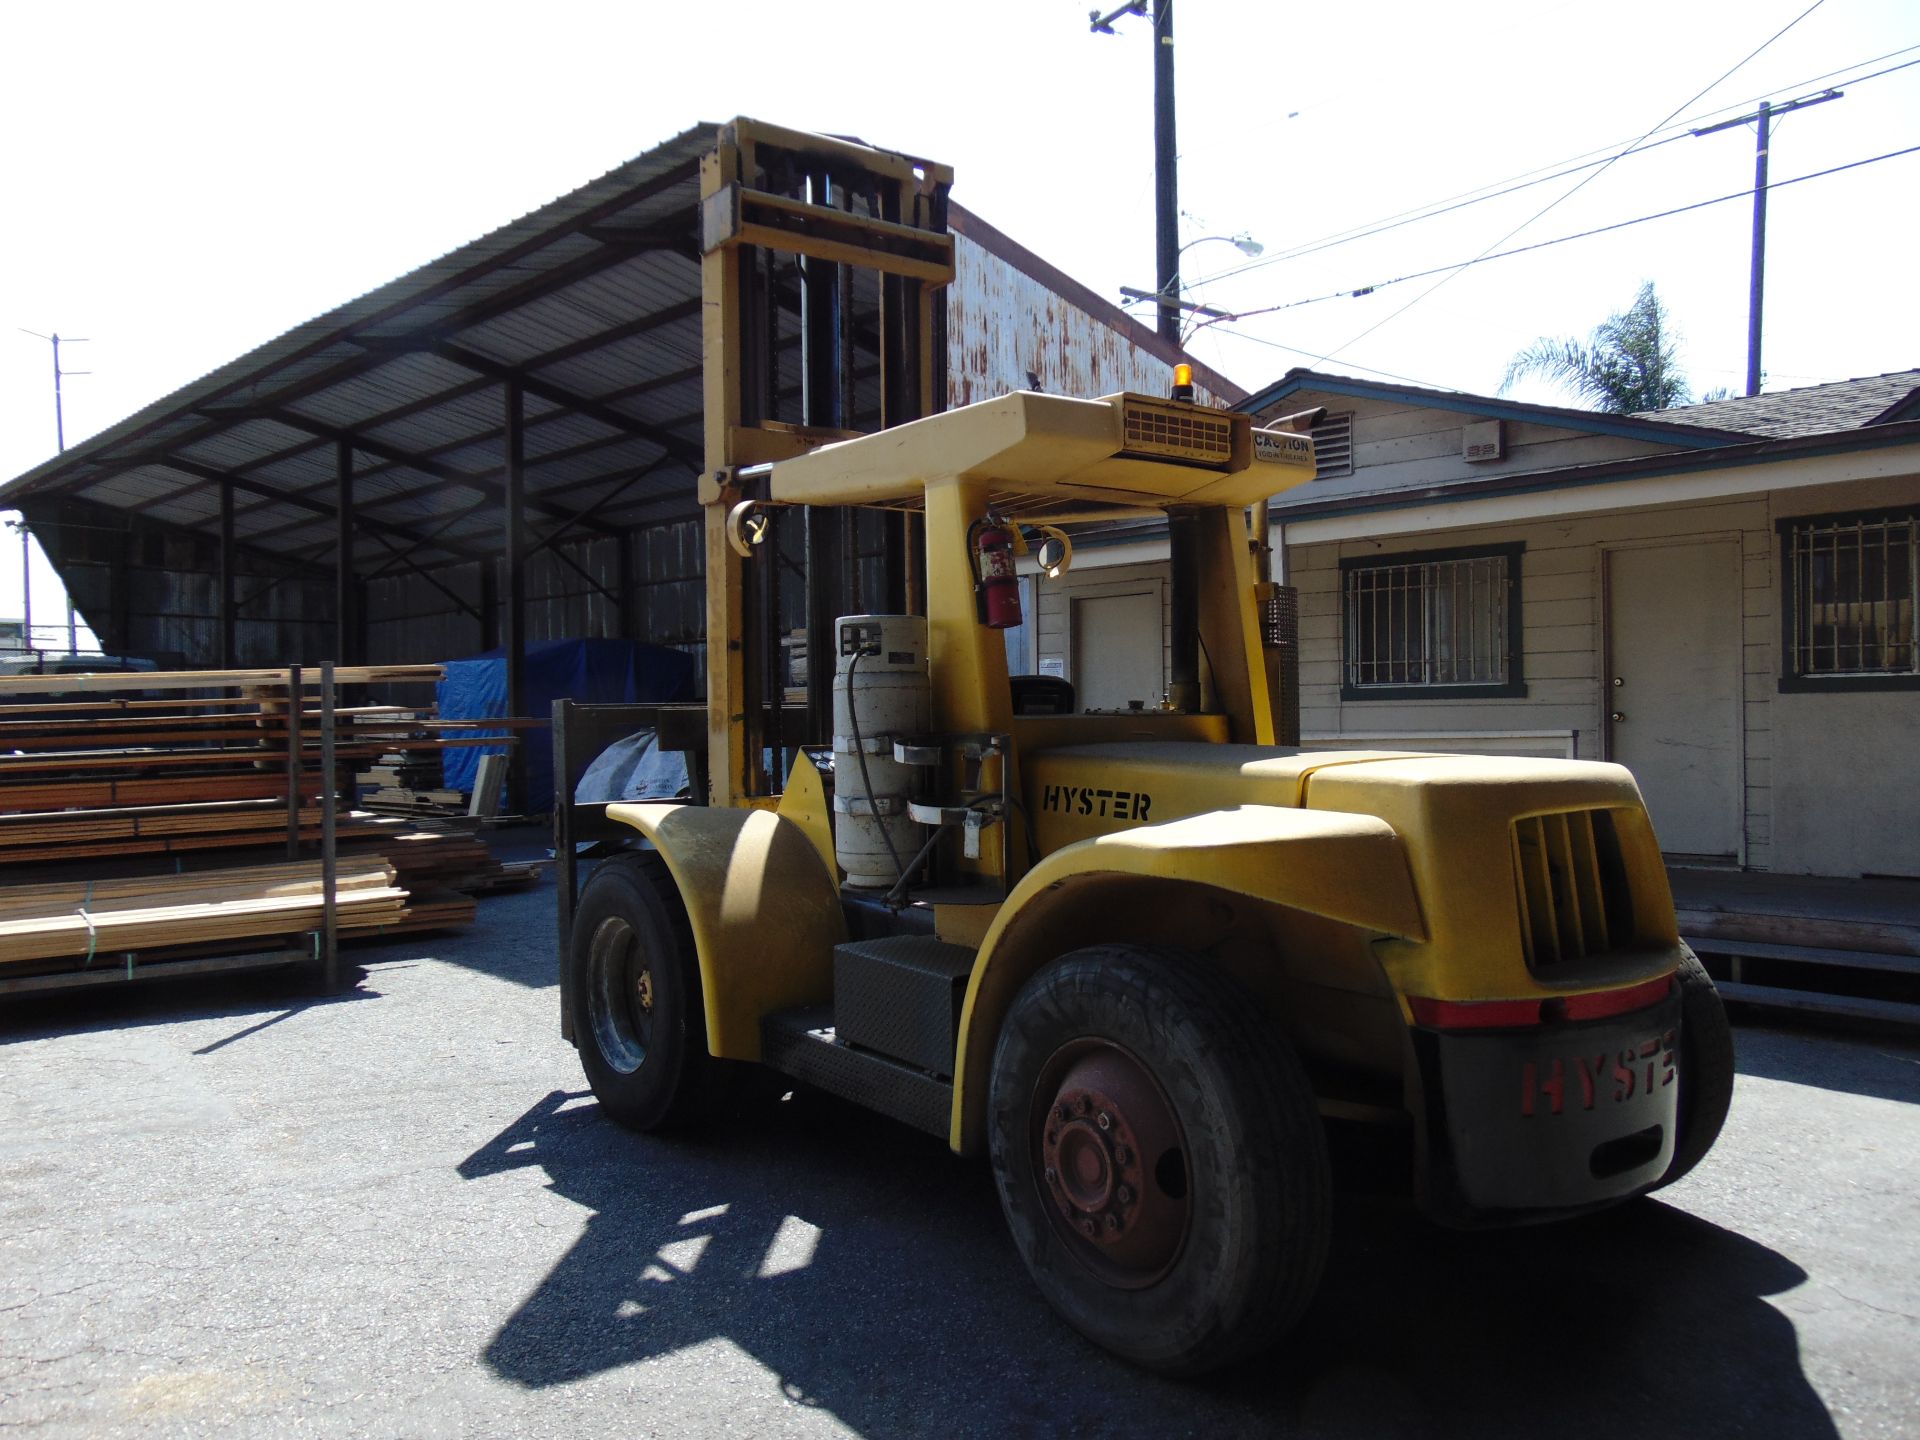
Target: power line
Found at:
x=1578, y=186
x=1460, y=265
x=1526, y=180
x=1371, y=370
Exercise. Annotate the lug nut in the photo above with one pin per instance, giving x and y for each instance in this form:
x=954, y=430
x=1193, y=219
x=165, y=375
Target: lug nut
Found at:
x=1123, y=1155
x=1104, y=1120
x=1124, y=1194
x=1086, y=1227
x=1053, y=1176
x=1083, y=1105
x=1053, y=1137
x=1113, y=1224
x=1061, y=1112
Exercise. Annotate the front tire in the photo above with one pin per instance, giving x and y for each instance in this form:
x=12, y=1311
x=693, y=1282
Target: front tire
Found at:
x=633, y=983
x=1160, y=1157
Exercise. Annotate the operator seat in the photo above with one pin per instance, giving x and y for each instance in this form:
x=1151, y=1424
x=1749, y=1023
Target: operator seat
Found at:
x=1041, y=695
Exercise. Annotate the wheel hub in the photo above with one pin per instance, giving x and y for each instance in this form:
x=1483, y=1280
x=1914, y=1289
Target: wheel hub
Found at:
x=1110, y=1151
x=620, y=995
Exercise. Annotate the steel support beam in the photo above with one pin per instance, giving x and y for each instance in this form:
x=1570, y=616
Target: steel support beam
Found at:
x=627, y=615
x=592, y=409
x=515, y=627
x=348, y=637
x=405, y=562
x=489, y=604
x=298, y=502
x=478, y=482
x=536, y=286
x=228, y=657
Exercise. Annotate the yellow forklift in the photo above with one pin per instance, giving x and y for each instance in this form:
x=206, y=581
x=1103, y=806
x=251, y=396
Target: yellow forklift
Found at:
x=1146, y=961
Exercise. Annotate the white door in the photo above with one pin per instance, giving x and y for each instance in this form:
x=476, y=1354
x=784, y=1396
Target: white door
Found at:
x=1672, y=689
x=1116, y=650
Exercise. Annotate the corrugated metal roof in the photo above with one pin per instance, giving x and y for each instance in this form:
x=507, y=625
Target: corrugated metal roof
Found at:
x=413, y=374
x=591, y=303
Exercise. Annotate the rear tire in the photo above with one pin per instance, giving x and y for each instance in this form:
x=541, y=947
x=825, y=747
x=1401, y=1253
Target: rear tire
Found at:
x=1706, y=1069
x=1160, y=1157
x=633, y=983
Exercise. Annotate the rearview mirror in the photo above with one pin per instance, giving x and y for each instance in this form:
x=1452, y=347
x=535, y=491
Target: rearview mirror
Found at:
x=1054, y=553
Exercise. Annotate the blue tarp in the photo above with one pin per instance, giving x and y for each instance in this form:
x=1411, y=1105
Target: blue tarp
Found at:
x=606, y=671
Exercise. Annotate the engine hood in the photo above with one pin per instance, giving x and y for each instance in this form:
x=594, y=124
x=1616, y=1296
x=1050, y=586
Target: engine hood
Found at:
x=1075, y=792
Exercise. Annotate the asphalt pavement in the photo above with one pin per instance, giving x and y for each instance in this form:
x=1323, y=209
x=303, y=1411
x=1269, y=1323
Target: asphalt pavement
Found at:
x=235, y=1208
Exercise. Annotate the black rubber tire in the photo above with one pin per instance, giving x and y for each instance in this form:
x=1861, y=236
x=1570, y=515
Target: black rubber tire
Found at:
x=648, y=1065
x=1256, y=1178
x=1706, y=1069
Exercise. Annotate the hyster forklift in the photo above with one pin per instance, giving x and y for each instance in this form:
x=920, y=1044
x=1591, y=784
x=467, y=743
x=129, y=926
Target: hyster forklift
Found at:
x=1143, y=961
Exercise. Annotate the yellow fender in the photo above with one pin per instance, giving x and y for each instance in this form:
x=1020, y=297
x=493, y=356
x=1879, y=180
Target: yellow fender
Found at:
x=764, y=907
x=1350, y=868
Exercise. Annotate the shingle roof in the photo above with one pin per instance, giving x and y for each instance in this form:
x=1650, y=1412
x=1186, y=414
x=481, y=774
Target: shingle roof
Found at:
x=1301, y=381
x=1810, y=410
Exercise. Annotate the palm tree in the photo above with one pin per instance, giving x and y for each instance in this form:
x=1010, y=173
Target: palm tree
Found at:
x=1630, y=362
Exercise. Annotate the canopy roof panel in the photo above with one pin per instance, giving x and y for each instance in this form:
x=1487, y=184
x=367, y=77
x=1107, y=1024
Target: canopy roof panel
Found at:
x=591, y=304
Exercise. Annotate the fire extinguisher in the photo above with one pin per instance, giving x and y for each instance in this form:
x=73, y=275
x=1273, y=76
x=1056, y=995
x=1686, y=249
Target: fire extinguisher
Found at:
x=996, y=586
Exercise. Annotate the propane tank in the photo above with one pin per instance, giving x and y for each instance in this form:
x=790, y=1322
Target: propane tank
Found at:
x=880, y=691
x=993, y=562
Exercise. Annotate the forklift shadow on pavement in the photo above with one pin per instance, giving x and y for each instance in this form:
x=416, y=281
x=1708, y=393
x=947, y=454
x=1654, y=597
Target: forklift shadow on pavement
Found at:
x=866, y=1268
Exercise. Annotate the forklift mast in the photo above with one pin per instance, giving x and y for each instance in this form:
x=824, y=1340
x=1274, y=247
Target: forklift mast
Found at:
x=823, y=270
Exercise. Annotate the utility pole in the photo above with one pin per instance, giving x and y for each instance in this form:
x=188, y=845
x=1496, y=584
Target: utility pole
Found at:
x=60, y=440
x=1756, y=280
x=1165, y=158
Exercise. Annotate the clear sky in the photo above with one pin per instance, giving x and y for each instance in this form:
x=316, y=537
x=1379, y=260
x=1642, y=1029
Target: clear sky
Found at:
x=184, y=181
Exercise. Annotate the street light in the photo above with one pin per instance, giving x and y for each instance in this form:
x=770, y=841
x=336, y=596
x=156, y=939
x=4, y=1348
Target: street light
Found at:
x=1242, y=242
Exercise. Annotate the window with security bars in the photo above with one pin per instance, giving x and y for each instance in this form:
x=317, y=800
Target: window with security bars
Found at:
x=1852, y=591
x=1441, y=624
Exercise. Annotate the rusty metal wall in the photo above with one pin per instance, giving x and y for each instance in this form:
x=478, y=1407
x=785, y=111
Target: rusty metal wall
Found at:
x=1007, y=331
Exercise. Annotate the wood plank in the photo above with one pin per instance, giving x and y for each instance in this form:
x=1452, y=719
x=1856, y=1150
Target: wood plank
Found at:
x=215, y=679
x=120, y=973
x=1807, y=955
x=1819, y=932
x=1852, y=1007
x=86, y=934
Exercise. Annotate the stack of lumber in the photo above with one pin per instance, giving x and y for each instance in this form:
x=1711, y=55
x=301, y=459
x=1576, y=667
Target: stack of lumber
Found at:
x=90, y=776
x=398, y=800
x=163, y=912
x=205, y=769
x=434, y=855
x=403, y=786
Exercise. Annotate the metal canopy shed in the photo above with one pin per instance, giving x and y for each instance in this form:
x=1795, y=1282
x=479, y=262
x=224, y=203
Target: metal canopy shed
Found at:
x=346, y=490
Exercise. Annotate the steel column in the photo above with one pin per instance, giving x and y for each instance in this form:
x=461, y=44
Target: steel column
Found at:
x=514, y=626
x=228, y=614
x=329, y=837
x=346, y=604
x=627, y=618
x=489, y=604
